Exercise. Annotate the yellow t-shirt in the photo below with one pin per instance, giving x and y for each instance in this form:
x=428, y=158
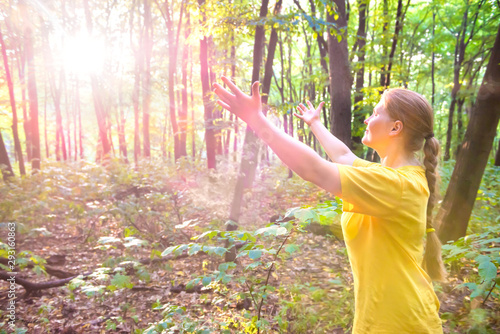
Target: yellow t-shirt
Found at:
x=383, y=222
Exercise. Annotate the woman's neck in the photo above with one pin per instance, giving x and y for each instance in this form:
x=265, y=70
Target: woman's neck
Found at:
x=395, y=157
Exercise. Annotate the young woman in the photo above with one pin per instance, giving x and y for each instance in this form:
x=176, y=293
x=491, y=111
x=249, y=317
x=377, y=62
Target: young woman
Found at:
x=387, y=207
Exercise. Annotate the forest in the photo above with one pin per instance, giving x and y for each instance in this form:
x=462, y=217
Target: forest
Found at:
x=131, y=202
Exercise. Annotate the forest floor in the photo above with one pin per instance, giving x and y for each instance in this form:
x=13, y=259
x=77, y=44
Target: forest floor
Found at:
x=312, y=287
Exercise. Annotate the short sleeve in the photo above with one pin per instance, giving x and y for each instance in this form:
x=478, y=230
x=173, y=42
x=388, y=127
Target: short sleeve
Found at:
x=373, y=190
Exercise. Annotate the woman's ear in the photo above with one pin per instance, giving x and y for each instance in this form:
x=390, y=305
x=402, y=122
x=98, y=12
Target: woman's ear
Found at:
x=397, y=128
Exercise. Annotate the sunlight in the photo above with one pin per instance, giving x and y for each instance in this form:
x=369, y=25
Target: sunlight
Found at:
x=83, y=54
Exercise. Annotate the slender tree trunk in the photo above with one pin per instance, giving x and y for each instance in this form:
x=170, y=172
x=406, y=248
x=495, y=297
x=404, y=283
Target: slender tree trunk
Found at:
x=340, y=90
x=5, y=166
x=97, y=97
x=184, y=111
x=385, y=18
x=135, y=102
x=120, y=122
x=79, y=110
x=251, y=144
x=172, y=63
x=147, y=47
x=398, y=28
x=193, y=123
x=461, y=194
x=207, y=102
x=360, y=73
x=459, y=58
x=433, y=56
x=10, y=84
x=497, y=155
x=33, y=101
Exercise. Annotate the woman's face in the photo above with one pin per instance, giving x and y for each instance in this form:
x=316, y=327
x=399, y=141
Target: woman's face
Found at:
x=378, y=127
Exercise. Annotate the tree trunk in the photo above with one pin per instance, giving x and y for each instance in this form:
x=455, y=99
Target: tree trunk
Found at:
x=385, y=18
x=497, y=155
x=184, y=111
x=17, y=143
x=251, y=144
x=459, y=58
x=33, y=100
x=360, y=73
x=120, y=122
x=340, y=89
x=80, y=137
x=138, y=63
x=207, y=101
x=97, y=97
x=5, y=166
x=147, y=47
x=461, y=194
x=398, y=28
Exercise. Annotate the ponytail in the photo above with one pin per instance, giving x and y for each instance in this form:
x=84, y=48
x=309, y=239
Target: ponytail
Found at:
x=432, y=262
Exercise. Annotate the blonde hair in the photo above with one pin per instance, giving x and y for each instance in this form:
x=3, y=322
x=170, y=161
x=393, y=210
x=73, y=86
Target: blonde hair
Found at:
x=417, y=116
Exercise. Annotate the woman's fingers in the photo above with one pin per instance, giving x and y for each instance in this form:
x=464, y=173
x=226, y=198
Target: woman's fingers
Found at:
x=299, y=116
x=320, y=106
x=302, y=108
x=231, y=85
x=255, y=89
x=222, y=92
x=224, y=105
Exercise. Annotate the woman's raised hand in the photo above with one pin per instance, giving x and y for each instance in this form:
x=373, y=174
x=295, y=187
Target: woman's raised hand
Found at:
x=309, y=115
x=242, y=105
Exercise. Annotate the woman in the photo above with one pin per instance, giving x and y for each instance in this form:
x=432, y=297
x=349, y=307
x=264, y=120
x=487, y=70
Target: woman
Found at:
x=387, y=207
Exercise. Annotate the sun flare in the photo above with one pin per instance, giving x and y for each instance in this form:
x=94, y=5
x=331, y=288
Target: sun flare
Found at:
x=83, y=54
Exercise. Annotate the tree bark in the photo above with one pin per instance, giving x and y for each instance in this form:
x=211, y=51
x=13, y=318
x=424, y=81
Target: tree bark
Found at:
x=5, y=166
x=10, y=84
x=98, y=99
x=33, y=126
x=497, y=155
x=207, y=102
x=184, y=110
x=340, y=77
x=458, y=202
x=251, y=144
x=397, y=29
x=147, y=47
x=360, y=73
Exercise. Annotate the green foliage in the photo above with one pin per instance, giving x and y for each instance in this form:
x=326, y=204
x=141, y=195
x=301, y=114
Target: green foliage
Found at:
x=479, y=252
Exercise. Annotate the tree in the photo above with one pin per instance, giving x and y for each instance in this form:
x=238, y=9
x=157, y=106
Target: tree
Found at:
x=207, y=103
x=97, y=92
x=5, y=166
x=147, y=48
x=340, y=74
x=460, y=47
x=34, y=130
x=250, y=144
x=17, y=143
x=458, y=202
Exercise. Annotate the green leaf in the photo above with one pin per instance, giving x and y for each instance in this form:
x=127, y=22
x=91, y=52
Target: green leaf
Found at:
x=487, y=270
x=134, y=242
x=121, y=281
x=253, y=265
x=206, y=280
x=255, y=254
x=291, y=248
x=220, y=250
x=195, y=248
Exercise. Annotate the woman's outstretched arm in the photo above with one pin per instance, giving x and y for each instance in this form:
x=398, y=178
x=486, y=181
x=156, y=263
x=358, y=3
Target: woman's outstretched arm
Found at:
x=297, y=156
x=334, y=147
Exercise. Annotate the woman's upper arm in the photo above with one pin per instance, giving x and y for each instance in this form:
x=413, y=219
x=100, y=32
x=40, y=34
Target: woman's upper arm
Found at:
x=326, y=175
x=347, y=159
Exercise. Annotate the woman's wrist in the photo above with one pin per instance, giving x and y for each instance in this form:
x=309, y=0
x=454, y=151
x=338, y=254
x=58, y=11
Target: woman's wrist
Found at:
x=315, y=124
